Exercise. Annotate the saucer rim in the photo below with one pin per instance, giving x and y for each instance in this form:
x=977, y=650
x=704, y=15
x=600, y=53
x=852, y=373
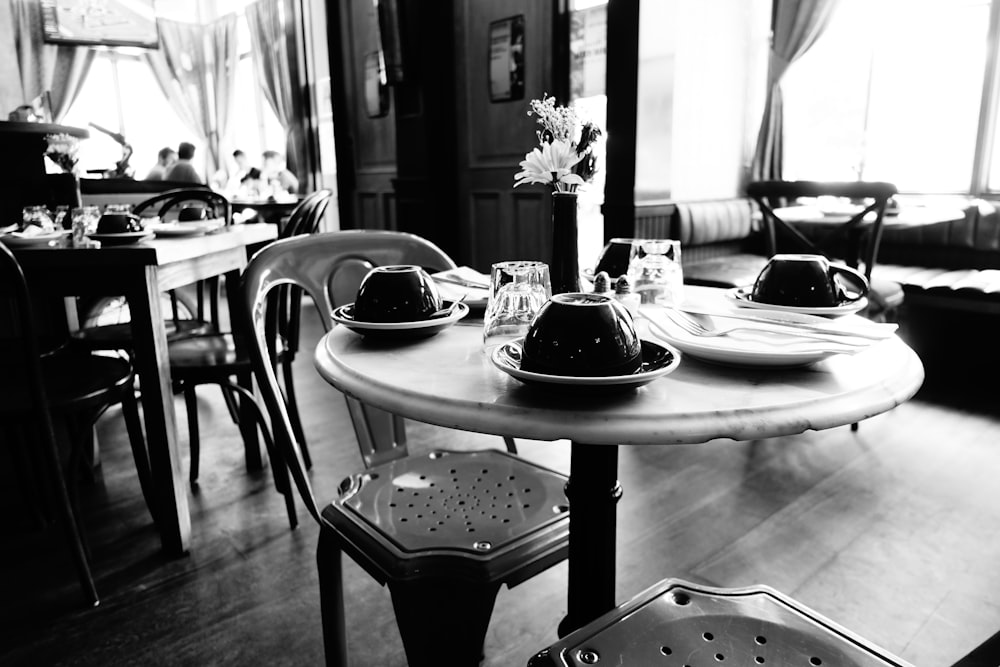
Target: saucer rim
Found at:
x=638, y=378
x=741, y=295
x=461, y=311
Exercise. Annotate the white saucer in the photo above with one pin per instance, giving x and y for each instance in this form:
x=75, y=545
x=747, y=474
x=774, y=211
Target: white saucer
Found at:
x=658, y=360
x=741, y=295
x=21, y=240
x=747, y=348
x=399, y=330
x=122, y=238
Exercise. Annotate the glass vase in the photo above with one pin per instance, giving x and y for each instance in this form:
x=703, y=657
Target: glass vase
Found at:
x=564, y=267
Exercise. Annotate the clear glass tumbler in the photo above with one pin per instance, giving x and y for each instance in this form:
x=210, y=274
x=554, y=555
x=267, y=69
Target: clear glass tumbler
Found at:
x=517, y=290
x=654, y=270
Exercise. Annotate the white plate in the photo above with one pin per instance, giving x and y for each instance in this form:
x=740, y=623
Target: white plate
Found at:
x=399, y=330
x=20, y=240
x=747, y=348
x=658, y=360
x=174, y=229
x=741, y=295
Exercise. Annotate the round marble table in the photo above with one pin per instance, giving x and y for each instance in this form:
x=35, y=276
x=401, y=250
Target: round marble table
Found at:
x=449, y=380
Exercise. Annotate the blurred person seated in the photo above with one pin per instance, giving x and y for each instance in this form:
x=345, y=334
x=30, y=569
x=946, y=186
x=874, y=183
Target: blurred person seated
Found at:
x=165, y=158
x=232, y=185
x=182, y=170
x=276, y=174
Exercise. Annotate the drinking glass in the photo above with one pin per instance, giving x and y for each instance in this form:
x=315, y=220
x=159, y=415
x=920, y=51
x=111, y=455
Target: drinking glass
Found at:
x=37, y=216
x=517, y=290
x=654, y=270
x=85, y=218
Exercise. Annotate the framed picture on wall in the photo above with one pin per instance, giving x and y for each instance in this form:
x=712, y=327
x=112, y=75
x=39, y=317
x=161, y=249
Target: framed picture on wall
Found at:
x=506, y=59
x=376, y=90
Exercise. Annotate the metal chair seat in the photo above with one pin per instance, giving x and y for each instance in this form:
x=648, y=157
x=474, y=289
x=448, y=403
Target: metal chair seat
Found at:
x=679, y=623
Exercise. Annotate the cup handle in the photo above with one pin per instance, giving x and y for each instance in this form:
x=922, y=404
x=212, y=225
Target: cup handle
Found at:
x=855, y=279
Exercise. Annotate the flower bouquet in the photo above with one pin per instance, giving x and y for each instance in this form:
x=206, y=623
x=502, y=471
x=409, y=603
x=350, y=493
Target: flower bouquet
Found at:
x=62, y=149
x=565, y=156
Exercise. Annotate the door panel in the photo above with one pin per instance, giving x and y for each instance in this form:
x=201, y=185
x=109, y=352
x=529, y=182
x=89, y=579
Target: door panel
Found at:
x=372, y=141
x=497, y=222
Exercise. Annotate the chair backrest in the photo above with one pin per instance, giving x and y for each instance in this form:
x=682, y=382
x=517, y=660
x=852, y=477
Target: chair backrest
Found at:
x=329, y=267
x=286, y=304
x=166, y=203
x=875, y=194
x=20, y=354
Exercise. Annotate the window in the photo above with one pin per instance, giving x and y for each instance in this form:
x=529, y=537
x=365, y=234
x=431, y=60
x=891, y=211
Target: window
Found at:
x=121, y=95
x=893, y=91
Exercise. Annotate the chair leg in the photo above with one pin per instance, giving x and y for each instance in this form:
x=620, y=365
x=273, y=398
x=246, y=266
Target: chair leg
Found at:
x=191, y=403
x=234, y=411
x=293, y=413
x=511, y=444
x=133, y=425
x=443, y=621
x=331, y=599
x=68, y=509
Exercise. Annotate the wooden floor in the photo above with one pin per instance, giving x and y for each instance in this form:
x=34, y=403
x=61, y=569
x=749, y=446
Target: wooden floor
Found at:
x=891, y=531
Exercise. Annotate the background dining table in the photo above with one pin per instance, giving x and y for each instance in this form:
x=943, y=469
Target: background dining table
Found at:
x=141, y=272
x=449, y=380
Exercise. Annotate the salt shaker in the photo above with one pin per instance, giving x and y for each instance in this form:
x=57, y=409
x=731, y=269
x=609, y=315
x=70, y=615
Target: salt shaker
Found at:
x=625, y=295
x=602, y=283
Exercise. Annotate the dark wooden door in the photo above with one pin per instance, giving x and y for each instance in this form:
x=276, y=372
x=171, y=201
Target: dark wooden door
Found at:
x=366, y=143
x=497, y=222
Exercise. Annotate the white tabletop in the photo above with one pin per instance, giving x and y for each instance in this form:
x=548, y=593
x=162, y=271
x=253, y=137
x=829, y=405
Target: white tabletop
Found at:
x=449, y=380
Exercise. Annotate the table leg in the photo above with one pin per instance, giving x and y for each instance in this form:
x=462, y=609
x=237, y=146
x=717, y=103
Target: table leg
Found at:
x=248, y=416
x=152, y=363
x=593, y=491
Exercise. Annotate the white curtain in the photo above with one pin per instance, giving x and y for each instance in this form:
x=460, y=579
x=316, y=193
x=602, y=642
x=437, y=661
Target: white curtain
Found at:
x=42, y=67
x=795, y=27
x=196, y=68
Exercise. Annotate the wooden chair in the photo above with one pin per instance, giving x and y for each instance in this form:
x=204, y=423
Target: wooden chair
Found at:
x=37, y=387
x=678, y=623
x=855, y=241
x=417, y=524
x=212, y=358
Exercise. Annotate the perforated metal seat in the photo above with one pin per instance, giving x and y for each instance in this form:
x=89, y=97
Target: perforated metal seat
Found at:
x=684, y=624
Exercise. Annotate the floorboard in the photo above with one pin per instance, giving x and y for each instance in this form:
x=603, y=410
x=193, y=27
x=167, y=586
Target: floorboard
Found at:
x=891, y=531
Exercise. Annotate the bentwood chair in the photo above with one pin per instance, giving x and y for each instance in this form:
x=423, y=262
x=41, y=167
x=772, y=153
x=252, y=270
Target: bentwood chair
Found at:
x=190, y=314
x=213, y=358
x=854, y=241
x=443, y=531
x=37, y=388
x=678, y=623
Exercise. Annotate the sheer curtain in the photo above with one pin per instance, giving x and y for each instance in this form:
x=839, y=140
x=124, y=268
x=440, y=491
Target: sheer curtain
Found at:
x=60, y=70
x=196, y=68
x=795, y=27
x=279, y=72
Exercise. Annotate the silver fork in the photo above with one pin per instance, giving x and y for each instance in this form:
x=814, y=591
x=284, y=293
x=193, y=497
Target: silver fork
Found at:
x=696, y=328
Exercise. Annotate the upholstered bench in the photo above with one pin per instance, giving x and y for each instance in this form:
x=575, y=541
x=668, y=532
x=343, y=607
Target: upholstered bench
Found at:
x=721, y=243
x=953, y=266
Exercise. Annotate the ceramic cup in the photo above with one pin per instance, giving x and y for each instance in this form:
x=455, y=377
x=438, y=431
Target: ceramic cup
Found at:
x=118, y=223
x=582, y=335
x=615, y=257
x=397, y=293
x=807, y=281
x=192, y=213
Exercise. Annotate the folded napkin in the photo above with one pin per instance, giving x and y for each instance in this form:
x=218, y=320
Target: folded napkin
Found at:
x=463, y=283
